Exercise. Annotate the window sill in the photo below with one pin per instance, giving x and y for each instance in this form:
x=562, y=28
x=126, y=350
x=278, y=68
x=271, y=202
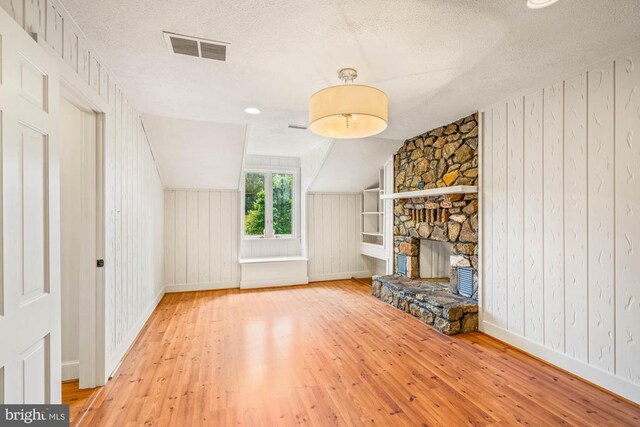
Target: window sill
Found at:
x=252, y=239
x=272, y=260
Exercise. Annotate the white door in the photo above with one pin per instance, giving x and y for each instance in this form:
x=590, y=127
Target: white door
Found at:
x=29, y=229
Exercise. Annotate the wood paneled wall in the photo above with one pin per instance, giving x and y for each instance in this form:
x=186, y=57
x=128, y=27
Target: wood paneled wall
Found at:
x=133, y=189
x=333, y=227
x=133, y=230
x=201, y=239
x=561, y=215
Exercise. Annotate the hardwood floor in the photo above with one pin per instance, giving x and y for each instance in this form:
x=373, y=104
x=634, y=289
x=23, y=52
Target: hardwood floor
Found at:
x=330, y=354
x=78, y=400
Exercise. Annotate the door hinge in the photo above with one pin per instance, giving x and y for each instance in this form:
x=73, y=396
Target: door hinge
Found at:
x=100, y=263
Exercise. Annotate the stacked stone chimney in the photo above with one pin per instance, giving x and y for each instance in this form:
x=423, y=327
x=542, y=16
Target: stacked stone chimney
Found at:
x=443, y=157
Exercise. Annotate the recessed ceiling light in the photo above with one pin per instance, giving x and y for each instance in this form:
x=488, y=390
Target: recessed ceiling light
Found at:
x=252, y=110
x=539, y=4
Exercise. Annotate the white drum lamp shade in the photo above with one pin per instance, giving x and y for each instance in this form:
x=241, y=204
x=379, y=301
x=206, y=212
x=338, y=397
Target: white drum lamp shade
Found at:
x=348, y=111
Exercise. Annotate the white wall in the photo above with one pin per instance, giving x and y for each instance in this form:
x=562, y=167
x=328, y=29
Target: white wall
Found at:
x=133, y=190
x=134, y=229
x=333, y=224
x=561, y=215
x=201, y=232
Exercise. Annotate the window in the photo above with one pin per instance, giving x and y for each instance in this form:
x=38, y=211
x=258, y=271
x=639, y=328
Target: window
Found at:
x=269, y=204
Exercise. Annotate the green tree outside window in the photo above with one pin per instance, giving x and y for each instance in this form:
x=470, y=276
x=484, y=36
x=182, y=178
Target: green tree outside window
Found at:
x=256, y=203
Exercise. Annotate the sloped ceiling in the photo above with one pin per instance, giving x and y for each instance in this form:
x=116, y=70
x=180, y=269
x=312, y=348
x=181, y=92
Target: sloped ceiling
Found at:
x=281, y=141
x=352, y=165
x=197, y=154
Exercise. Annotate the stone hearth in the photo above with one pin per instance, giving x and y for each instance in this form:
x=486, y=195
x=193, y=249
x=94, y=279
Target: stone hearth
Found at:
x=433, y=303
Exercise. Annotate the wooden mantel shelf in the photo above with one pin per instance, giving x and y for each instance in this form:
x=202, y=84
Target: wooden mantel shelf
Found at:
x=456, y=189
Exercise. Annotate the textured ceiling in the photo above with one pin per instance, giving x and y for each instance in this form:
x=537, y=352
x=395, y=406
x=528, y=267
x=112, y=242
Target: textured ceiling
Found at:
x=436, y=59
x=281, y=141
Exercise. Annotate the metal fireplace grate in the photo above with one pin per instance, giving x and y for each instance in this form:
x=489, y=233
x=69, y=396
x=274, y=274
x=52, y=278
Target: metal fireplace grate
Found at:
x=402, y=264
x=465, y=281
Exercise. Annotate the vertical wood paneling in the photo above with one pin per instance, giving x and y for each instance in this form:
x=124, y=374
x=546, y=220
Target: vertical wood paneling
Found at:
x=533, y=228
x=34, y=17
x=203, y=237
x=353, y=228
x=317, y=233
x=83, y=59
x=499, y=248
x=553, y=216
x=334, y=235
x=627, y=217
x=326, y=231
x=126, y=238
x=575, y=231
x=205, y=246
x=94, y=78
x=227, y=236
x=14, y=8
x=234, y=230
x=343, y=231
x=215, y=239
x=54, y=23
x=181, y=237
x=601, y=217
x=515, y=213
x=580, y=168
x=487, y=217
x=169, y=236
x=118, y=231
x=311, y=237
x=192, y=237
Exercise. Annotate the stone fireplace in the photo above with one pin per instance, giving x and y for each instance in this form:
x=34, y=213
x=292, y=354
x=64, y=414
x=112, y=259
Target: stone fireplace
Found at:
x=435, y=238
x=442, y=157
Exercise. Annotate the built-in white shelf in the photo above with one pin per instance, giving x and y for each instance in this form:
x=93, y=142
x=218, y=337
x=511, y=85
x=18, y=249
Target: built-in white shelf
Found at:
x=456, y=189
x=372, y=250
x=372, y=238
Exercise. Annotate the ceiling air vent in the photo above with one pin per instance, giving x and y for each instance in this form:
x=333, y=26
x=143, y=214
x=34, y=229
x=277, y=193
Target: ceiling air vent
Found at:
x=194, y=46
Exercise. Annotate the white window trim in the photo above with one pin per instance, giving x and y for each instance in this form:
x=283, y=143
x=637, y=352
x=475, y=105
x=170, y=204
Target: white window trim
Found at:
x=268, y=216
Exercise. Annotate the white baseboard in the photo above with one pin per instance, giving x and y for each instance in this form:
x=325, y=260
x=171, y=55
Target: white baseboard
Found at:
x=590, y=373
x=70, y=370
x=114, y=360
x=255, y=284
x=339, y=276
x=200, y=286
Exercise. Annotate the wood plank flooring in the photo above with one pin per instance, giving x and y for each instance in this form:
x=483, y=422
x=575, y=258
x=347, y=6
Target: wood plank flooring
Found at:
x=78, y=400
x=330, y=354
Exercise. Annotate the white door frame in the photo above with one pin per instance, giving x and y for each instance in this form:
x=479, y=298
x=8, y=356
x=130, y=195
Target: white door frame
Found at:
x=92, y=328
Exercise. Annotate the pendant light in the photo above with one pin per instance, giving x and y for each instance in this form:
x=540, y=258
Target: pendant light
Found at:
x=348, y=111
